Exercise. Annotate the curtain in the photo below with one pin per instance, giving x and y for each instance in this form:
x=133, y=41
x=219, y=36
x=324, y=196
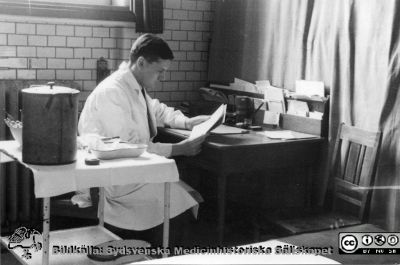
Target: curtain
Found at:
x=353, y=46
x=149, y=16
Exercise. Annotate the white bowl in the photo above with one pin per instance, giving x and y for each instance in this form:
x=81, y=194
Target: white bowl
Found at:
x=126, y=150
x=16, y=130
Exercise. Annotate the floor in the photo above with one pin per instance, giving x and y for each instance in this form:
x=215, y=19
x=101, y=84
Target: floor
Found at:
x=202, y=232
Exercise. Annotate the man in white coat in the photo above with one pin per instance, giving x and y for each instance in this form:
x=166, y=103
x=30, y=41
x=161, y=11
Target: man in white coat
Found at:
x=120, y=106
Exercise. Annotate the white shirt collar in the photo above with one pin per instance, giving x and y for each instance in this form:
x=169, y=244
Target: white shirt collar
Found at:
x=130, y=78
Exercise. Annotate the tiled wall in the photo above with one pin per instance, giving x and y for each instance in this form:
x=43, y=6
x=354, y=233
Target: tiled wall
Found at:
x=64, y=49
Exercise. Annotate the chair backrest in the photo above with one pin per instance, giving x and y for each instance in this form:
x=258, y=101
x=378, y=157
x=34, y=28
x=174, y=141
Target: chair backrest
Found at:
x=354, y=165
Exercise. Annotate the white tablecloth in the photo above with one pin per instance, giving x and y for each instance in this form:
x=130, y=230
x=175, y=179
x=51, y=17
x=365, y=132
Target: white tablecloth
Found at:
x=55, y=180
x=271, y=258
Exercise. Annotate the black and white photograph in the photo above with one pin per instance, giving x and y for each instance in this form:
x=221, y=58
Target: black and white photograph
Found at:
x=199, y=132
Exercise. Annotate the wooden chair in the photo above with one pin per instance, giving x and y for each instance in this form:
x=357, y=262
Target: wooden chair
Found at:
x=353, y=168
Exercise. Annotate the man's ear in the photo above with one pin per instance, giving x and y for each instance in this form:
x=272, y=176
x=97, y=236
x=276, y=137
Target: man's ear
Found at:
x=140, y=62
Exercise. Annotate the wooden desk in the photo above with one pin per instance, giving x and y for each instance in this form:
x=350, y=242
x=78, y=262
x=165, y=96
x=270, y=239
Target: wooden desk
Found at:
x=240, y=153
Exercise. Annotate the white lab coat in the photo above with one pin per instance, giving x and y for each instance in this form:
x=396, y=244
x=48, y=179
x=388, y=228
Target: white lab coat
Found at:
x=117, y=107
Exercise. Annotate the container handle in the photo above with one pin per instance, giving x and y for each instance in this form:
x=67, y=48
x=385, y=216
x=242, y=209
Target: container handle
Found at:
x=51, y=84
x=50, y=100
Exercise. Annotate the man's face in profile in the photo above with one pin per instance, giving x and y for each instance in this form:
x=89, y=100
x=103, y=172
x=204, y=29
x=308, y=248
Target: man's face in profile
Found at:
x=153, y=72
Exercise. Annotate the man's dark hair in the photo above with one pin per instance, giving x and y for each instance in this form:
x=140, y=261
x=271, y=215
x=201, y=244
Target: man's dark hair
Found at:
x=151, y=47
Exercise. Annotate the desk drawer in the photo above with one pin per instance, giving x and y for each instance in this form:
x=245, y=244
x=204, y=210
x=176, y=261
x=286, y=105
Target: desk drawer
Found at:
x=259, y=158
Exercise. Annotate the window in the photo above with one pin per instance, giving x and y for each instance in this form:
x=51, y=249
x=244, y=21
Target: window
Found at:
x=116, y=10
x=149, y=16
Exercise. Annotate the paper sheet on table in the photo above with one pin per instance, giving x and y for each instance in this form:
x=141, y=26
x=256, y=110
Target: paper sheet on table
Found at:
x=224, y=129
x=286, y=134
x=276, y=106
x=203, y=128
x=310, y=88
x=271, y=117
x=275, y=99
x=299, y=108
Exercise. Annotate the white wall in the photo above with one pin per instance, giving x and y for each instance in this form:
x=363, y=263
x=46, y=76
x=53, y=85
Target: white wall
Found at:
x=67, y=49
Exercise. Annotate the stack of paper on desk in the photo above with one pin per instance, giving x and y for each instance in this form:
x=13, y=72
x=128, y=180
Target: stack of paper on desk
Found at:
x=286, y=134
x=276, y=104
x=242, y=85
x=262, y=85
x=224, y=129
x=216, y=119
x=275, y=99
x=299, y=108
x=310, y=88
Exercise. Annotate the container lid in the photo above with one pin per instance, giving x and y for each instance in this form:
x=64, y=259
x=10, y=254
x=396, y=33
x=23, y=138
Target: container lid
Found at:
x=50, y=88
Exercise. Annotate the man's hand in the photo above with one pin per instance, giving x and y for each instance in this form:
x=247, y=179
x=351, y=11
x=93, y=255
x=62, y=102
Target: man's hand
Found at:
x=188, y=147
x=191, y=122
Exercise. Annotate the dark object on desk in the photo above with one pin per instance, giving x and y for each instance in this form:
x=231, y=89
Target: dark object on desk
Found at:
x=210, y=94
x=230, y=118
x=244, y=109
x=200, y=107
x=255, y=128
x=92, y=161
x=50, y=120
x=353, y=176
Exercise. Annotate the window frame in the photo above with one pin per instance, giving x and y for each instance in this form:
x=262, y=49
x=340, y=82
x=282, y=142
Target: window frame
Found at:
x=66, y=10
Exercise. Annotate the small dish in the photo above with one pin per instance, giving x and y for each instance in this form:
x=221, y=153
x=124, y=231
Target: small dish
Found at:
x=122, y=150
x=16, y=129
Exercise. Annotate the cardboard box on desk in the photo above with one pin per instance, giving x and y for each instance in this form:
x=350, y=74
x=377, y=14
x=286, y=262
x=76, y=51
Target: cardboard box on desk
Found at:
x=299, y=123
x=304, y=124
x=307, y=124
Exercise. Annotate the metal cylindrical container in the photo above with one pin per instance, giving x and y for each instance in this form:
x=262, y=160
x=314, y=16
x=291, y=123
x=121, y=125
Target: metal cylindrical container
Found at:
x=244, y=108
x=50, y=120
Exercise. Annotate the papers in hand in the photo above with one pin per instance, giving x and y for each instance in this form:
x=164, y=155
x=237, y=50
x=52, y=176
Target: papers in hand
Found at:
x=286, y=135
x=215, y=119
